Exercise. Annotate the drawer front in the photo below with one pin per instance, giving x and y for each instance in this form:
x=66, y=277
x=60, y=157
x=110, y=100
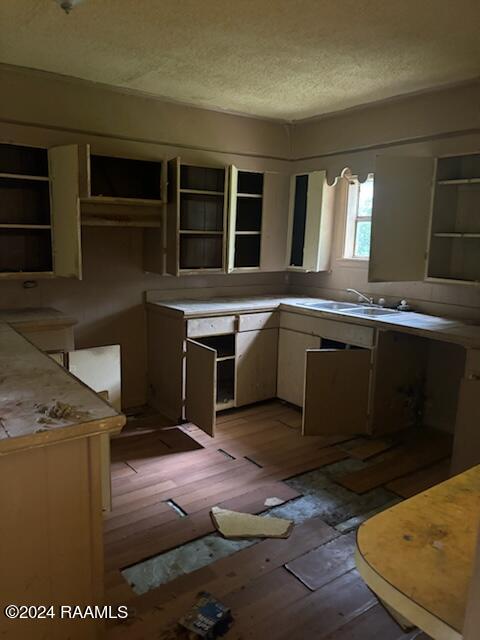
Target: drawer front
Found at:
x=50, y=339
x=199, y=327
x=332, y=329
x=472, y=364
x=256, y=321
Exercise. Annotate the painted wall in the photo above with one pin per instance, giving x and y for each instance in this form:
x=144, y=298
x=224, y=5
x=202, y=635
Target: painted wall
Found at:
x=44, y=110
x=439, y=123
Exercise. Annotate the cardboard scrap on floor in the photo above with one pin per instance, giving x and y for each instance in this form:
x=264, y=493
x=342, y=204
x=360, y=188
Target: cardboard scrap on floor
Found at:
x=233, y=524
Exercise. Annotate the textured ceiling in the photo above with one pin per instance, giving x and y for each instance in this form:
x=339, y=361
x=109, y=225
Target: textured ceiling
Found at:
x=287, y=59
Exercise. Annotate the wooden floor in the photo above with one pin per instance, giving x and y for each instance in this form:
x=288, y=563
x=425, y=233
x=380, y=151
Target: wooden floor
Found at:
x=267, y=584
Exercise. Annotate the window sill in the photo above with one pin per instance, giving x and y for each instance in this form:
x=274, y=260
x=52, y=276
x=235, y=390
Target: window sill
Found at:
x=361, y=263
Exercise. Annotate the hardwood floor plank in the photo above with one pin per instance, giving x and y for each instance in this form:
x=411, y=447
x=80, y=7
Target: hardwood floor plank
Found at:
x=410, y=485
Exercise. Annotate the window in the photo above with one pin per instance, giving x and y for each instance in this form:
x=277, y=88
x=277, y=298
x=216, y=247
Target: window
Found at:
x=359, y=218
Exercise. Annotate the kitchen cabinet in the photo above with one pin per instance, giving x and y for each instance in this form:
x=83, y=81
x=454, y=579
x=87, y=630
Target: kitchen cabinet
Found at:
x=424, y=222
x=310, y=227
x=466, y=448
x=39, y=219
x=199, y=366
x=196, y=218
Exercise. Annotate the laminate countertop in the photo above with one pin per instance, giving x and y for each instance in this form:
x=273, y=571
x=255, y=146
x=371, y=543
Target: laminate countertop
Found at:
x=432, y=327
x=41, y=403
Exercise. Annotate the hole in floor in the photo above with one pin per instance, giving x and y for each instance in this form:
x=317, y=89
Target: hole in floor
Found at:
x=257, y=464
x=321, y=497
x=177, y=508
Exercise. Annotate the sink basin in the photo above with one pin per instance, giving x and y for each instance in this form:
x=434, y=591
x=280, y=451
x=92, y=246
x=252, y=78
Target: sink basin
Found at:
x=331, y=306
x=370, y=311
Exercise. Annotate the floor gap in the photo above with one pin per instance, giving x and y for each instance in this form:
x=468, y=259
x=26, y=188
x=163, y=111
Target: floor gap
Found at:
x=177, y=508
x=257, y=464
x=226, y=454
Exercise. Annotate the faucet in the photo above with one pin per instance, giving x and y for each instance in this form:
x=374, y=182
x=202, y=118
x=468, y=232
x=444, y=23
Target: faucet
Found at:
x=361, y=296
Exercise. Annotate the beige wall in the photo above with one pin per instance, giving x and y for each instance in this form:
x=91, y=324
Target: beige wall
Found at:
x=439, y=123
x=45, y=110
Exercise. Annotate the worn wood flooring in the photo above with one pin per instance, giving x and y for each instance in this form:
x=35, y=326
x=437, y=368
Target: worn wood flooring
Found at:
x=273, y=587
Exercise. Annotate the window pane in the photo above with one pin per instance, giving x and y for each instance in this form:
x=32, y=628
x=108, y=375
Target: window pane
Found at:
x=362, y=239
x=365, y=198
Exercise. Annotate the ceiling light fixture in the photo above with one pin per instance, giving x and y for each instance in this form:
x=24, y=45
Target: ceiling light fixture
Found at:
x=67, y=5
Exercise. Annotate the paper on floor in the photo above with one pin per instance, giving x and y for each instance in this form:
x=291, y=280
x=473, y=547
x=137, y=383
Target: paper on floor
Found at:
x=233, y=524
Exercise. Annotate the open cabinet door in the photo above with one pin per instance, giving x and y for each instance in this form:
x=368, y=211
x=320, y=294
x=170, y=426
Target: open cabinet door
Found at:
x=201, y=386
x=402, y=198
x=466, y=444
x=336, y=391
x=173, y=217
x=232, y=217
x=64, y=169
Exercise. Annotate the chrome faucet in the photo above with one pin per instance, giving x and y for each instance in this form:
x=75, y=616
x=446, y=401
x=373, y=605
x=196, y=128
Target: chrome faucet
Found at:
x=361, y=296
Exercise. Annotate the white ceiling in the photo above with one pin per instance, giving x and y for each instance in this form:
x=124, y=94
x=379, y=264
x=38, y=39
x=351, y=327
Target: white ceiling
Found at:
x=287, y=59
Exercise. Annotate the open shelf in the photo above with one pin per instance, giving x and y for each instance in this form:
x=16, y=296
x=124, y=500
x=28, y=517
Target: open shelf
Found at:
x=26, y=251
x=454, y=252
x=125, y=178
x=246, y=238
x=225, y=384
x=201, y=251
x=201, y=212
x=247, y=250
x=28, y=162
x=202, y=180
x=24, y=202
x=19, y=176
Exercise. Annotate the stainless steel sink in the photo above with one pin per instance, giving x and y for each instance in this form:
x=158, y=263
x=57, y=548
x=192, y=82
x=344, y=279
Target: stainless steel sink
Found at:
x=370, y=311
x=331, y=306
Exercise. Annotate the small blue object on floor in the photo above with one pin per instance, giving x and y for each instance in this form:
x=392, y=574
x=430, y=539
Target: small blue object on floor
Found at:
x=208, y=619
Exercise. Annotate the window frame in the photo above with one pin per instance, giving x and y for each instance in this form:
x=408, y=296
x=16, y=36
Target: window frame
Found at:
x=352, y=218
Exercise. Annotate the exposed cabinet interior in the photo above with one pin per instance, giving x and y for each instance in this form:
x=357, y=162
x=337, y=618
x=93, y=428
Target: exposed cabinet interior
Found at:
x=224, y=346
x=310, y=229
x=118, y=191
x=246, y=218
x=454, y=252
x=196, y=218
x=26, y=243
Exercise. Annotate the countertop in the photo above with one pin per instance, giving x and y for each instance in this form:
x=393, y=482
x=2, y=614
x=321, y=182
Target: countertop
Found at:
x=433, y=327
x=36, y=316
x=31, y=384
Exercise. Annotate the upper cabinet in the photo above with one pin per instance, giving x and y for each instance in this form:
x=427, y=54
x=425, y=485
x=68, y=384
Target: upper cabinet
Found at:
x=39, y=225
x=310, y=229
x=425, y=223
x=245, y=220
x=118, y=191
x=196, y=218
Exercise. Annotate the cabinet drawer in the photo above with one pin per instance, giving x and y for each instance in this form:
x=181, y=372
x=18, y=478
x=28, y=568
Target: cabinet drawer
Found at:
x=198, y=327
x=332, y=329
x=255, y=321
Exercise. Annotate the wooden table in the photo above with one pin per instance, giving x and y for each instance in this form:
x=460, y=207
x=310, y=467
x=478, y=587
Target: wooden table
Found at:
x=418, y=556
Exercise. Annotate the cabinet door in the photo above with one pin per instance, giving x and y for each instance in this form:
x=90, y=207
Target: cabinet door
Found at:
x=274, y=222
x=64, y=168
x=173, y=217
x=100, y=369
x=292, y=346
x=336, y=391
x=400, y=218
x=256, y=365
x=201, y=386
x=466, y=447
x=232, y=217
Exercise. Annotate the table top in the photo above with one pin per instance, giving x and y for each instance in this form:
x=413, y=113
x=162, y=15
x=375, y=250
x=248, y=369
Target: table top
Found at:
x=418, y=555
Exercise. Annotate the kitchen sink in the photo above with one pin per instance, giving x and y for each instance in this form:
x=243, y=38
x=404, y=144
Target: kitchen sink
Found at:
x=370, y=311
x=331, y=306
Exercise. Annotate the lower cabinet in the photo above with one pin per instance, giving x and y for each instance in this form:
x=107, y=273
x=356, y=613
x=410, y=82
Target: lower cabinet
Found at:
x=466, y=447
x=225, y=371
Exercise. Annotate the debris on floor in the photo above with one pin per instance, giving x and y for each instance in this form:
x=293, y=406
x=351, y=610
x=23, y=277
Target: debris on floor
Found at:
x=273, y=502
x=207, y=619
x=233, y=524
